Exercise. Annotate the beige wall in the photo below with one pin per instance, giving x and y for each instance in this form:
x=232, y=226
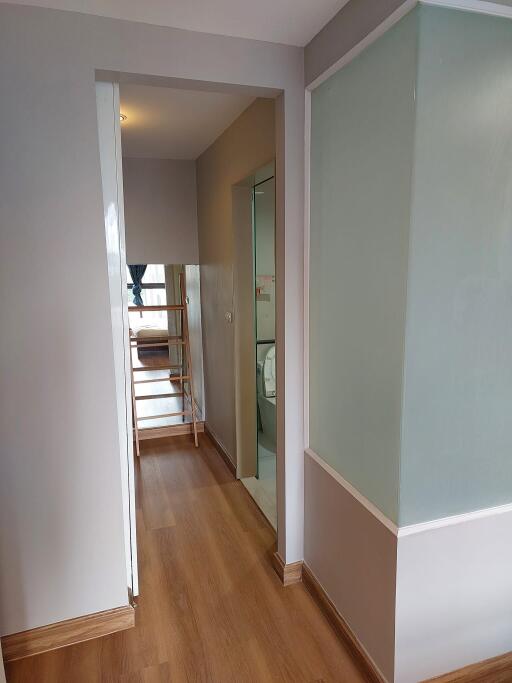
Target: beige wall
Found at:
x=246, y=145
x=160, y=210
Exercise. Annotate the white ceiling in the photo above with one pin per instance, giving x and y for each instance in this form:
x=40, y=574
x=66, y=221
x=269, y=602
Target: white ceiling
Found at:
x=293, y=22
x=166, y=123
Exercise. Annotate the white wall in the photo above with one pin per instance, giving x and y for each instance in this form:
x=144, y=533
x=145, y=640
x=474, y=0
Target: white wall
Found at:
x=61, y=548
x=160, y=210
x=453, y=594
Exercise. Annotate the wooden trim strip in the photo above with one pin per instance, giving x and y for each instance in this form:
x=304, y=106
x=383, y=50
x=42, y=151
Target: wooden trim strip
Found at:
x=158, y=416
x=220, y=450
x=340, y=626
x=171, y=430
x=170, y=378
x=288, y=573
x=145, y=397
x=144, y=309
x=154, y=368
x=498, y=669
x=63, y=633
x=150, y=345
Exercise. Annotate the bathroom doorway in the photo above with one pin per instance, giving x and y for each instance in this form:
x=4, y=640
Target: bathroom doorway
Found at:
x=262, y=484
x=265, y=324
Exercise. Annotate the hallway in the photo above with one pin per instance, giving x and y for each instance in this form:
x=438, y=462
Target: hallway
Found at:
x=211, y=607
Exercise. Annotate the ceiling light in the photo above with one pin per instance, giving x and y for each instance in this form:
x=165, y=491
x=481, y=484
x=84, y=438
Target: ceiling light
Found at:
x=122, y=117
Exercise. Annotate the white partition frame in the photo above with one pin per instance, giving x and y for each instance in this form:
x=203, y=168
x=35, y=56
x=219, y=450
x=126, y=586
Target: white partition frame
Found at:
x=109, y=133
x=289, y=128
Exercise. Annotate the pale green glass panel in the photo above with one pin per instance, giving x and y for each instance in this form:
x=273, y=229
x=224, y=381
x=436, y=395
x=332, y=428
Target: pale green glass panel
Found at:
x=361, y=167
x=457, y=420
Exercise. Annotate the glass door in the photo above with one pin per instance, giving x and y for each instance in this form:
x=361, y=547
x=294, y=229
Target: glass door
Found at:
x=264, y=288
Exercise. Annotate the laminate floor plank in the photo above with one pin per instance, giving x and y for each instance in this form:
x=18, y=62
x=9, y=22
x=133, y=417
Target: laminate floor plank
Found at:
x=211, y=608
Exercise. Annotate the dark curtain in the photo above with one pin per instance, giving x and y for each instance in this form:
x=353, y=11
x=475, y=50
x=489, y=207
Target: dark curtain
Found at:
x=137, y=273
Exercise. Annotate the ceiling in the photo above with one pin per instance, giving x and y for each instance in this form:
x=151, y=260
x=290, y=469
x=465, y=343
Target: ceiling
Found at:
x=167, y=123
x=292, y=22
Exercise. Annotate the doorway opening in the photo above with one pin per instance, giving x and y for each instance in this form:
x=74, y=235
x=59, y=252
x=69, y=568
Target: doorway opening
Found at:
x=262, y=486
x=185, y=328
x=163, y=375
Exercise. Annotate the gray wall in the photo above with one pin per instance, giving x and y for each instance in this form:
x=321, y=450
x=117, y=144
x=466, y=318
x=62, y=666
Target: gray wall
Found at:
x=353, y=556
x=160, y=210
x=246, y=145
x=61, y=553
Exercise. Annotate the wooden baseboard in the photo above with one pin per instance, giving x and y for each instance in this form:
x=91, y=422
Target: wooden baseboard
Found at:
x=69, y=632
x=288, y=573
x=220, y=450
x=497, y=670
x=340, y=626
x=171, y=430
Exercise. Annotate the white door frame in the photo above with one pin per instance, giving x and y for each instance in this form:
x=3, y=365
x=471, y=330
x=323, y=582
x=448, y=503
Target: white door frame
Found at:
x=109, y=131
x=289, y=129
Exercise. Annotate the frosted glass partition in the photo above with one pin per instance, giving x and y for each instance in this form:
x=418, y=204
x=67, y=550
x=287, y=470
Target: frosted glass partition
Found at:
x=362, y=128
x=457, y=421
x=411, y=267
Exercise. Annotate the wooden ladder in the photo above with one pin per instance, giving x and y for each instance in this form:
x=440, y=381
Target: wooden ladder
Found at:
x=184, y=366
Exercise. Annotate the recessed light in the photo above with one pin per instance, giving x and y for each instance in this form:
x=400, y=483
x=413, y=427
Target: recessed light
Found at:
x=122, y=117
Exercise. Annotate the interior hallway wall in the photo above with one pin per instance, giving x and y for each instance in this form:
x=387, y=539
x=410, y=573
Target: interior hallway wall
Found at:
x=160, y=210
x=61, y=548
x=450, y=516
x=245, y=146
x=362, y=140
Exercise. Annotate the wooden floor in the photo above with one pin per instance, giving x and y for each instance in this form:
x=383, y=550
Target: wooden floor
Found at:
x=211, y=607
